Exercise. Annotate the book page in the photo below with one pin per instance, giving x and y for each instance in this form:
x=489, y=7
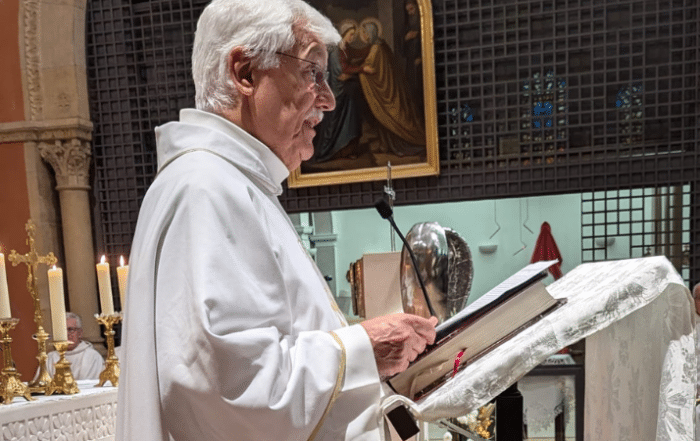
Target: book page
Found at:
x=518, y=279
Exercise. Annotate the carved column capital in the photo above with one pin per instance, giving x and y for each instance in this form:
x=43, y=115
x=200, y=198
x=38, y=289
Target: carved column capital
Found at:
x=70, y=160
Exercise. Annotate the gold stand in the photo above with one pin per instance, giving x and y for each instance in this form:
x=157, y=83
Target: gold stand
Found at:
x=111, y=369
x=32, y=259
x=10, y=386
x=63, y=381
x=42, y=381
x=485, y=421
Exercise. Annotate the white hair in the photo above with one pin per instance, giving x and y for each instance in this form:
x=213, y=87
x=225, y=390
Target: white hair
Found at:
x=78, y=320
x=261, y=28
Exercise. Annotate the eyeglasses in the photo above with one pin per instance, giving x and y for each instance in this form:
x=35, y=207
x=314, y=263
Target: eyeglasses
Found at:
x=318, y=75
x=73, y=330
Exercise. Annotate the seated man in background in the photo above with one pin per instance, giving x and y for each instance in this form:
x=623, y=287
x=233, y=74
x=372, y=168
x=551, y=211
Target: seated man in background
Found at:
x=86, y=362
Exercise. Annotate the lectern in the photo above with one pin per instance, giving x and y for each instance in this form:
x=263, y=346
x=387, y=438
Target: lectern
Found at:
x=611, y=304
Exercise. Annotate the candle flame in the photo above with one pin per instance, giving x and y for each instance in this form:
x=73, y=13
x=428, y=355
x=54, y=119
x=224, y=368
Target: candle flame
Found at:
x=121, y=260
x=103, y=259
x=54, y=267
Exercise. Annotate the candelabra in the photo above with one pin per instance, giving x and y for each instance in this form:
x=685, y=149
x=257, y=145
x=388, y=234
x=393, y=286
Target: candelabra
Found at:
x=63, y=381
x=10, y=386
x=111, y=369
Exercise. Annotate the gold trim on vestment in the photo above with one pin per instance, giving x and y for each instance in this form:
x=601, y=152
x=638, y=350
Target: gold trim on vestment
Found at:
x=338, y=385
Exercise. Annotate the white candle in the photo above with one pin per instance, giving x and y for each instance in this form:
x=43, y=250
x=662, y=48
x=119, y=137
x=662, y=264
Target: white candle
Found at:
x=58, y=305
x=4, y=292
x=105, y=285
x=122, y=274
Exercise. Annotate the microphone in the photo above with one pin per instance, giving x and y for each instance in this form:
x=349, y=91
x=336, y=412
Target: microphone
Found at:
x=387, y=213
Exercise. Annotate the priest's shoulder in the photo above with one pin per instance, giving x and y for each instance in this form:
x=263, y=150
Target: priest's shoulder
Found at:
x=199, y=177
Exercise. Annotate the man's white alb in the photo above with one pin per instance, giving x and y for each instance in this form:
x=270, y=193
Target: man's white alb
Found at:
x=229, y=325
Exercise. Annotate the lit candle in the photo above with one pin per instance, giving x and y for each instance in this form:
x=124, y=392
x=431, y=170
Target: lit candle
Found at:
x=58, y=305
x=122, y=273
x=4, y=292
x=105, y=285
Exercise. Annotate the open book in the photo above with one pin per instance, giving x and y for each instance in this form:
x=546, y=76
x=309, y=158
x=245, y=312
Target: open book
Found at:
x=501, y=313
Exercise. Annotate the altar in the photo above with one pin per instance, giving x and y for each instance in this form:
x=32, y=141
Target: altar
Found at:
x=86, y=416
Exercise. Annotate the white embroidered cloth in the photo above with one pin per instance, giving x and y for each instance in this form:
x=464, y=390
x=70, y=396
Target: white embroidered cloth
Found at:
x=545, y=397
x=599, y=294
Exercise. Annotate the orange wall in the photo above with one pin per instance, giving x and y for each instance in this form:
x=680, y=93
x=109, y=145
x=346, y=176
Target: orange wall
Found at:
x=14, y=200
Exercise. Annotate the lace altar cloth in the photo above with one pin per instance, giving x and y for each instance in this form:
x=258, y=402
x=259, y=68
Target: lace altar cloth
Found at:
x=86, y=416
x=599, y=294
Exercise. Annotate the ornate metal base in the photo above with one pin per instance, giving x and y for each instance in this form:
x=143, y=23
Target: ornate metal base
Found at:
x=11, y=386
x=63, y=381
x=42, y=382
x=110, y=372
x=39, y=385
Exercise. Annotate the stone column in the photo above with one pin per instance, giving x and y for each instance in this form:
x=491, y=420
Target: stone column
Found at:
x=70, y=160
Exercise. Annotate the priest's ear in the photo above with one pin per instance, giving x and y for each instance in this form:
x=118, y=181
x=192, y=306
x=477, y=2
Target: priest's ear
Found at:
x=241, y=71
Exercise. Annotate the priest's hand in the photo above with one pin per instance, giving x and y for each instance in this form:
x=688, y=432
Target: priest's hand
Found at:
x=397, y=339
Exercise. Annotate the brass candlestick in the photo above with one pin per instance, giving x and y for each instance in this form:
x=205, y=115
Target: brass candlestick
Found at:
x=63, y=381
x=32, y=259
x=42, y=381
x=111, y=369
x=10, y=386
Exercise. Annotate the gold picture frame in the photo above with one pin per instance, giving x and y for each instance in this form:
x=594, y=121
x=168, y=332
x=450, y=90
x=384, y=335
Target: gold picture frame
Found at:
x=378, y=113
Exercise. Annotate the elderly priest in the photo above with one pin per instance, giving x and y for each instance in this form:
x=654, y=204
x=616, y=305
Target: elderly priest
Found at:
x=231, y=331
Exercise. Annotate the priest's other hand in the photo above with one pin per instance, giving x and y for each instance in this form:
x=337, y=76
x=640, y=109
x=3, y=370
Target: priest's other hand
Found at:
x=397, y=339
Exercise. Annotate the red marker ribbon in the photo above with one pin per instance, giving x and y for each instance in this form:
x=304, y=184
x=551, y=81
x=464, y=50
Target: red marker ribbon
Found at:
x=458, y=359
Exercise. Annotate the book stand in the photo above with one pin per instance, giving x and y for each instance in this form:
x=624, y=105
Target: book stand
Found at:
x=599, y=295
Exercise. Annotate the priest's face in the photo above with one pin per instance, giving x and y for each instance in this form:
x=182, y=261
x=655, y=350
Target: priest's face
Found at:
x=289, y=101
x=74, y=333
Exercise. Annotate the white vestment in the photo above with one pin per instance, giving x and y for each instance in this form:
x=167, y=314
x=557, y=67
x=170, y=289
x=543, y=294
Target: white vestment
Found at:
x=697, y=381
x=231, y=332
x=85, y=362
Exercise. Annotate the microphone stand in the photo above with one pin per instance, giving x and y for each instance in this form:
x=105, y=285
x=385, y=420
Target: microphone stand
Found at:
x=390, y=196
x=386, y=212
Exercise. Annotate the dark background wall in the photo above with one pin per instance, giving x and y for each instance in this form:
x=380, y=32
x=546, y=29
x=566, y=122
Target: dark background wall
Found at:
x=533, y=98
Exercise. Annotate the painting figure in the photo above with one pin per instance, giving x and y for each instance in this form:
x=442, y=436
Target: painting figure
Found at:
x=384, y=89
x=381, y=74
x=412, y=48
x=342, y=127
x=375, y=119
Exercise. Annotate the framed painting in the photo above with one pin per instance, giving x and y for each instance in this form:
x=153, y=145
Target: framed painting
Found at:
x=382, y=75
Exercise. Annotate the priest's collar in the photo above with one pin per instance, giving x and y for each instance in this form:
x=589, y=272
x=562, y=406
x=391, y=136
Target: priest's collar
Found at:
x=278, y=171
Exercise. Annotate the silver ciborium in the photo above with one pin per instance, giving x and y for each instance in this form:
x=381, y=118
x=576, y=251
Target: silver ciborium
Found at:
x=445, y=264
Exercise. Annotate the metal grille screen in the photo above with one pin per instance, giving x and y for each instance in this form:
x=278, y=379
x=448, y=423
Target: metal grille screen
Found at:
x=642, y=221
x=534, y=97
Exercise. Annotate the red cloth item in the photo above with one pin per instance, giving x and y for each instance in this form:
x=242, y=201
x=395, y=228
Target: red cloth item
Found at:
x=546, y=249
